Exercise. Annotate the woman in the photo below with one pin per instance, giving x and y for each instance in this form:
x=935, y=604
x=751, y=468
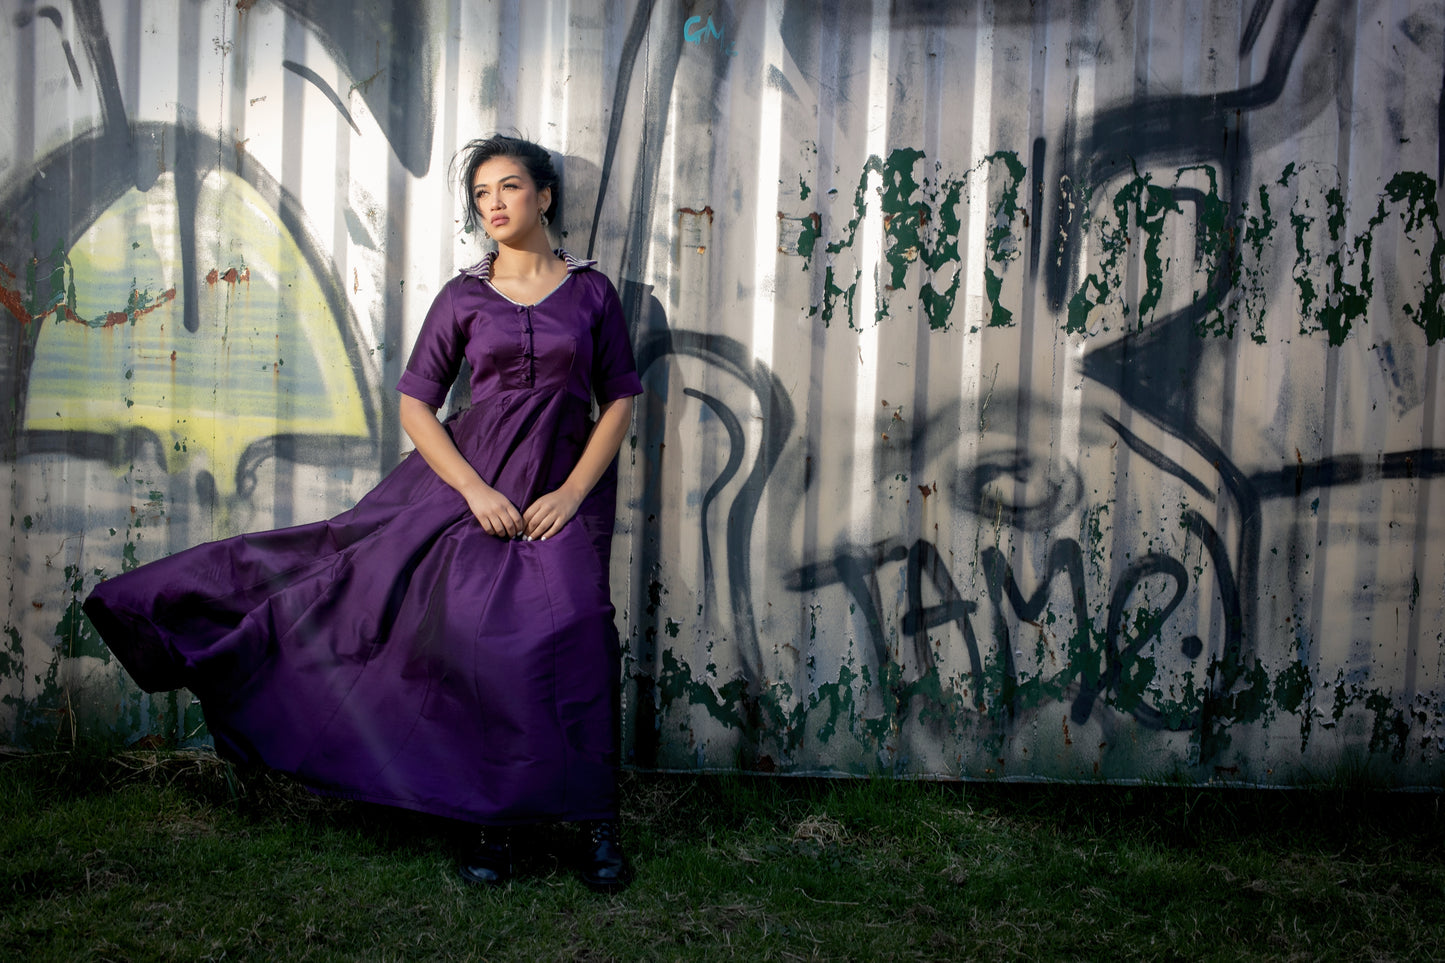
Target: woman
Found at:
x=448, y=644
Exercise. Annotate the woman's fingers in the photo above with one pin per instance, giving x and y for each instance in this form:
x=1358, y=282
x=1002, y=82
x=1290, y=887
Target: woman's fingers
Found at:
x=496, y=515
x=546, y=516
x=503, y=526
x=538, y=522
x=541, y=528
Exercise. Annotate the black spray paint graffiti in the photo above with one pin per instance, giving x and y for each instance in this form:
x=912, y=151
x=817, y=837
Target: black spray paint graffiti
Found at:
x=1104, y=662
x=1156, y=370
x=1110, y=654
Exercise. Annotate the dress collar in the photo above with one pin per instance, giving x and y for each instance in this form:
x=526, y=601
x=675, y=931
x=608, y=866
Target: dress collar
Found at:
x=482, y=270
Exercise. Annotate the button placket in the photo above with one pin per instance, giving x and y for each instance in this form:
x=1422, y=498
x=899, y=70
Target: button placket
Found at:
x=531, y=350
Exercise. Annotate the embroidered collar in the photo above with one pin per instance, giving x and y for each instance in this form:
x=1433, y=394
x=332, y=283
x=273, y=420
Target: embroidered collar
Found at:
x=482, y=270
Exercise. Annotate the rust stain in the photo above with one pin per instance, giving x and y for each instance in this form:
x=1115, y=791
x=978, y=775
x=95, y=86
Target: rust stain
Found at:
x=11, y=299
x=1068, y=741
x=232, y=276
x=13, y=303
x=706, y=211
x=120, y=317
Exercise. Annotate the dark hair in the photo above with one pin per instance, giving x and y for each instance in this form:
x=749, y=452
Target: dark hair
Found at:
x=535, y=158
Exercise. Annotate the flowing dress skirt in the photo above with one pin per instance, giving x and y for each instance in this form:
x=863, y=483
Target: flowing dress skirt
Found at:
x=397, y=653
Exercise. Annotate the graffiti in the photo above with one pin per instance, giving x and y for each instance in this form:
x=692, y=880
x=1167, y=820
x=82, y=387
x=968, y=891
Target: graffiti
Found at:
x=910, y=210
x=173, y=315
x=1033, y=391
x=1188, y=248
x=694, y=31
x=1332, y=273
x=1094, y=665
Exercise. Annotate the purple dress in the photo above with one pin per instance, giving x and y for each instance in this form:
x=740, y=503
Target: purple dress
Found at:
x=397, y=653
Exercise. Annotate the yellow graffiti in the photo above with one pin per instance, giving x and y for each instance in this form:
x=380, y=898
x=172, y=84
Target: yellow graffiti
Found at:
x=267, y=357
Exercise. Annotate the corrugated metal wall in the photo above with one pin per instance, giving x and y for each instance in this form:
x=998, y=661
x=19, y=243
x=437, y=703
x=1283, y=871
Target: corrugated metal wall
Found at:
x=1043, y=390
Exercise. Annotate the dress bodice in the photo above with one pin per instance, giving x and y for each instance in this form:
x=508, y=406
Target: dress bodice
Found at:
x=574, y=340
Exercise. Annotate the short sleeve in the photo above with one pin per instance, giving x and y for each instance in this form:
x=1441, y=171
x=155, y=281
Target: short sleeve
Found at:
x=614, y=370
x=437, y=355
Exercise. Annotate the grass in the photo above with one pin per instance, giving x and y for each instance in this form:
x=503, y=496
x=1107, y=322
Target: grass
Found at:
x=173, y=856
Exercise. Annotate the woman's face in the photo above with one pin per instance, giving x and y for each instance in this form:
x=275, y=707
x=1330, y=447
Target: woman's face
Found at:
x=507, y=200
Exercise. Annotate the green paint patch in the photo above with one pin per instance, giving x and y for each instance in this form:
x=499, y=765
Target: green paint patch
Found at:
x=77, y=636
x=1235, y=252
x=1003, y=245
x=1137, y=236
x=12, y=656
x=1138, y=217
x=1292, y=687
x=727, y=703
x=1390, y=728
x=1417, y=193
x=1247, y=283
x=1333, y=272
x=809, y=230
x=922, y=227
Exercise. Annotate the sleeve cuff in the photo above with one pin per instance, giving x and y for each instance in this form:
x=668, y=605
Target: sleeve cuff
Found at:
x=622, y=386
x=423, y=390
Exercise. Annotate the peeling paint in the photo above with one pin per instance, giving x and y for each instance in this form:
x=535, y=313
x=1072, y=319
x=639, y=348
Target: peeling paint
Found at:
x=922, y=227
x=1150, y=492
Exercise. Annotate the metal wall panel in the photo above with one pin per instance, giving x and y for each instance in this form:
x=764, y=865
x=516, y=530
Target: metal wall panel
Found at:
x=1041, y=390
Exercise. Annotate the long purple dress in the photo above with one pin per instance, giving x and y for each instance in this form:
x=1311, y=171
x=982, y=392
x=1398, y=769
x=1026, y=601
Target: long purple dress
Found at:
x=397, y=653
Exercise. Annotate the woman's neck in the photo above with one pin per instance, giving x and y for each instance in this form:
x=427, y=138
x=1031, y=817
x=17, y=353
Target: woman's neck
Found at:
x=528, y=260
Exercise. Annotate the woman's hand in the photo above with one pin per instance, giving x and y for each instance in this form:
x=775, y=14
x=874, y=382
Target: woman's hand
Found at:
x=497, y=515
x=546, y=516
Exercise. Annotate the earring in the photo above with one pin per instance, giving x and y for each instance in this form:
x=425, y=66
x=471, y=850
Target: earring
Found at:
x=544, y=218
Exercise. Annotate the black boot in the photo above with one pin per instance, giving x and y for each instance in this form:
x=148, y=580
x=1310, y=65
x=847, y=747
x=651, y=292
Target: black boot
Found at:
x=490, y=862
x=604, y=867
